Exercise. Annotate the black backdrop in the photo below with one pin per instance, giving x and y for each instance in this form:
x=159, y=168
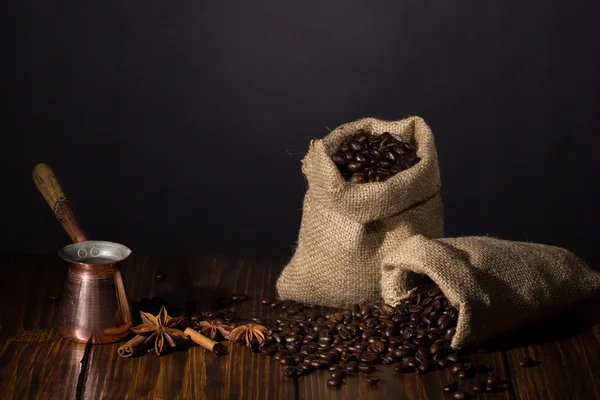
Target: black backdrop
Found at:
x=180, y=126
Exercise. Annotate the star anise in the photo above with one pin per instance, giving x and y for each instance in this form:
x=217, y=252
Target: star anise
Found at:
x=248, y=332
x=160, y=327
x=211, y=327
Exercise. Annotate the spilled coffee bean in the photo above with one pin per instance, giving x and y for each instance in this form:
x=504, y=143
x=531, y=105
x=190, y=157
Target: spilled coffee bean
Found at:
x=527, y=362
x=372, y=379
x=160, y=275
x=366, y=157
x=239, y=297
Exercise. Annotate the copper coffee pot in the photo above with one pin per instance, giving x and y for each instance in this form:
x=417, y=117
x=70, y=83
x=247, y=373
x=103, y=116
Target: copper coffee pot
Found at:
x=94, y=307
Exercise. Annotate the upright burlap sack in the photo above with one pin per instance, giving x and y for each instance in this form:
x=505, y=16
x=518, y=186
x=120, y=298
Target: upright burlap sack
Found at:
x=348, y=228
x=497, y=285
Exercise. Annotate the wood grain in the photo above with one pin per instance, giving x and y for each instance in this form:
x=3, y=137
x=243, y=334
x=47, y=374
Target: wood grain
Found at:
x=35, y=363
x=568, y=352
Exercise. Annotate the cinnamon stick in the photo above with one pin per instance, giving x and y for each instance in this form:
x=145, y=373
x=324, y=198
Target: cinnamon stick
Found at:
x=205, y=342
x=132, y=346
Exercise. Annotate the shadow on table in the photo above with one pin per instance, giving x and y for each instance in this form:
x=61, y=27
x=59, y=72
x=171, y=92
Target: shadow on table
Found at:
x=580, y=318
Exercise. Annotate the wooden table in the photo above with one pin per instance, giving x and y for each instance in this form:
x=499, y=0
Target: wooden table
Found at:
x=35, y=363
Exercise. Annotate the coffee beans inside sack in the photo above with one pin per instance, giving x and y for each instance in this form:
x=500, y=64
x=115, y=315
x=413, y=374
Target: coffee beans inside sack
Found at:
x=497, y=285
x=364, y=157
x=347, y=228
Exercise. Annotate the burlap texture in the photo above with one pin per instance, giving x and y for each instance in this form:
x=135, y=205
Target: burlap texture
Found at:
x=347, y=229
x=497, y=285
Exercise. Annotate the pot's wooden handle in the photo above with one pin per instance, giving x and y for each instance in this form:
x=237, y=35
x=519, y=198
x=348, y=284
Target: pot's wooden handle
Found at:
x=50, y=188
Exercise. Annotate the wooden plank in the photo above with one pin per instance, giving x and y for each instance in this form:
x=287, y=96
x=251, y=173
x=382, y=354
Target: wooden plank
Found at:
x=35, y=363
x=194, y=373
x=568, y=349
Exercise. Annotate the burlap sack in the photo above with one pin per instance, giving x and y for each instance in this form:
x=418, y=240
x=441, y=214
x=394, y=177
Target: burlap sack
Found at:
x=497, y=285
x=347, y=229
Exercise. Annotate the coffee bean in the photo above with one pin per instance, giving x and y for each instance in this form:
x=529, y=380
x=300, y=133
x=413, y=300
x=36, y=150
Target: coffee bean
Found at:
x=54, y=297
x=463, y=374
x=451, y=387
x=287, y=360
x=224, y=302
x=333, y=382
x=336, y=367
x=403, y=368
x=338, y=374
x=369, y=357
x=366, y=368
x=460, y=395
x=339, y=159
x=160, y=275
x=239, y=297
x=266, y=300
x=453, y=357
x=196, y=318
x=479, y=387
x=445, y=363
x=291, y=372
x=427, y=366
x=457, y=368
x=372, y=379
x=387, y=309
x=526, y=362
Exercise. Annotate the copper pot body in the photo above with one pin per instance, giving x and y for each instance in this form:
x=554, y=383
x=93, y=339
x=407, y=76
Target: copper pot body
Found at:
x=94, y=307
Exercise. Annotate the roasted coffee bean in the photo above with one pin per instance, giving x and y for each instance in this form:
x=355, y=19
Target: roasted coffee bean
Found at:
x=457, y=368
x=280, y=354
x=372, y=379
x=479, y=387
x=239, y=297
x=463, y=374
x=336, y=367
x=453, y=357
x=435, y=348
x=298, y=358
x=160, y=275
x=358, y=177
x=287, y=360
x=319, y=364
x=334, y=382
x=266, y=300
x=411, y=361
x=369, y=357
x=378, y=346
x=460, y=395
x=445, y=363
x=366, y=368
x=386, y=309
x=224, y=301
x=291, y=372
x=275, y=304
x=54, y=297
x=338, y=374
x=427, y=366
x=339, y=159
x=196, y=318
x=493, y=381
x=526, y=362
x=403, y=368
x=451, y=387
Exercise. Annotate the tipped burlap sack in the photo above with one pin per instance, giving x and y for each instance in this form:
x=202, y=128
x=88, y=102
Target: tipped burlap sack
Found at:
x=497, y=285
x=347, y=228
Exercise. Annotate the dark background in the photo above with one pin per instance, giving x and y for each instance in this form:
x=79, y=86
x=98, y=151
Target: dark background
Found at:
x=180, y=126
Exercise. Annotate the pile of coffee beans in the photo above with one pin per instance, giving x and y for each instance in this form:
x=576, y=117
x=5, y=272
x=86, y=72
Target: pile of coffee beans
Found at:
x=366, y=157
x=414, y=336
